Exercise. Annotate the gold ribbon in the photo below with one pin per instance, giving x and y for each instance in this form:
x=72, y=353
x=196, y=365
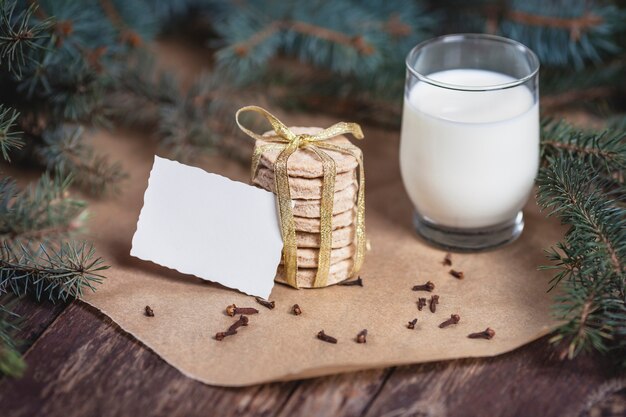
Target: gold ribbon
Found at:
x=288, y=143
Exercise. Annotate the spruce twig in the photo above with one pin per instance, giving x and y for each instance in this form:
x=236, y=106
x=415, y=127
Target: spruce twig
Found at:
x=44, y=211
x=591, y=259
x=46, y=272
x=9, y=139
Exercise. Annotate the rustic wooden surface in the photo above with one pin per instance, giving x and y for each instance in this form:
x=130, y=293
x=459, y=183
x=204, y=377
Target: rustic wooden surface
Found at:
x=81, y=364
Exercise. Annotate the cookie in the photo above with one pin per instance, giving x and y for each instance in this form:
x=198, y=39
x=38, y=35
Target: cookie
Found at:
x=341, y=237
x=305, y=276
x=304, y=224
x=344, y=200
x=304, y=188
x=304, y=162
x=308, y=257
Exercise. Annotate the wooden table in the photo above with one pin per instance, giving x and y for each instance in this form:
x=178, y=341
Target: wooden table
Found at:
x=81, y=364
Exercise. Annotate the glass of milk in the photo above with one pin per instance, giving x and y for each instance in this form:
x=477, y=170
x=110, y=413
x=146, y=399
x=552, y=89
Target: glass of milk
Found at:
x=469, y=148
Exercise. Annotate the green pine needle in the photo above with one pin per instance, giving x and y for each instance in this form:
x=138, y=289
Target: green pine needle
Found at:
x=590, y=262
x=50, y=273
x=43, y=211
x=9, y=139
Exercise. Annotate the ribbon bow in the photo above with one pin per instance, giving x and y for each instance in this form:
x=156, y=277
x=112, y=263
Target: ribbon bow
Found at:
x=289, y=142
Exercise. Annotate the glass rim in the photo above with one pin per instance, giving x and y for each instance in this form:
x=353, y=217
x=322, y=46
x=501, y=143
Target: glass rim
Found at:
x=535, y=64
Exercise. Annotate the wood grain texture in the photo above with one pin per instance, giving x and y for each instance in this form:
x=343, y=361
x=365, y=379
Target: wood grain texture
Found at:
x=35, y=317
x=84, y=366
x=337, y=395
x=527, y=382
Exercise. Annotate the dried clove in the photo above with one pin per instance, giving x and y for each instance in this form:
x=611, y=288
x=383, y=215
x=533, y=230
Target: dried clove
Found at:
x=296, y=310
x=454, y=319
x=265, y=303
x=447, y=261
x=457, y=274
x=421, y=303
x=357, y=281
x=429, y=286
x=434, y=300
x=326, y=338
x=243, y=321
x=232, y=330
x=221, y=335
x=149, y=312
x=412, y=324
x=232, y=310
x=362, y=336
x=488, y=333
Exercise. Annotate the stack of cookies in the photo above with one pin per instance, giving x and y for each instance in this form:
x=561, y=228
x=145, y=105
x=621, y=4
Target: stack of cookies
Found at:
x=305, y=183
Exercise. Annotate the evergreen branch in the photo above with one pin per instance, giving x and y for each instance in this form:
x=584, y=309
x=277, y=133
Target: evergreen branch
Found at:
x=574, y=25
x=56, y=274
x=11, y=363
x=9, y=138
x=583, y=308
x=590, y=261
x=18, y=37
x=568, y=188
x=604, y=151
x=66, y=152
x=303, y=28
x=43, y=211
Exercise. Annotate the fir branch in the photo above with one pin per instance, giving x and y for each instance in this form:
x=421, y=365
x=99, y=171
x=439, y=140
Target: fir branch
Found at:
x=41, y=212
x=575, y=25
x=604, y=151
x=185, y=128
x=591, y=260
x=46, y=272
x=11, y=363
x=19, y=36
x=569, y=188
x=9, y=138
x=65, y=151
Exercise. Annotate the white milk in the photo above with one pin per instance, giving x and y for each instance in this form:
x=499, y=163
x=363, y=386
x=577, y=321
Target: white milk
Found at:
x=469, y=159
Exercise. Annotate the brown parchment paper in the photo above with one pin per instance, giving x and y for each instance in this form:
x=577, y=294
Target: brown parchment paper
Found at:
x=502, y=289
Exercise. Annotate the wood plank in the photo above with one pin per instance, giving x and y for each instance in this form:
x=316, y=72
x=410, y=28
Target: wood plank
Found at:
x=336, y=395
x=531, y=381
x=83, y=365
x=35, y=317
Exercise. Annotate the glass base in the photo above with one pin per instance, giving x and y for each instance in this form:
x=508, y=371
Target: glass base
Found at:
x=469, y=240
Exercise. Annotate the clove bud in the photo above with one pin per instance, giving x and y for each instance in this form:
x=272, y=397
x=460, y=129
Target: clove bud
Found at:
x=357, y=281
x=421, y=303
x=361, y=337
x=232, y=330
x=326, y=338
x=296, y=310
x=434, y=300
x=488, y=333
x=233, y=310
x=412, y=324
x=265, y=303
x=447, y=261
x=457, y=274
x=243, y=321
x=149, y=312
x=454, y=319
x=221, y=335
x=429, y=286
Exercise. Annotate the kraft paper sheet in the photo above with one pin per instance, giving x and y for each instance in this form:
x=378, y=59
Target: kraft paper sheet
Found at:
x=502, y=289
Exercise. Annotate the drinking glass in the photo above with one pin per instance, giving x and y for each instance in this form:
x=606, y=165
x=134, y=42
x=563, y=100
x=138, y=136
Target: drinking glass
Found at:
x=469, y=149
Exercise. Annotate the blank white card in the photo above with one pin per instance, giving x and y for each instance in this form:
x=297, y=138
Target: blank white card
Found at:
x=209, y=226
